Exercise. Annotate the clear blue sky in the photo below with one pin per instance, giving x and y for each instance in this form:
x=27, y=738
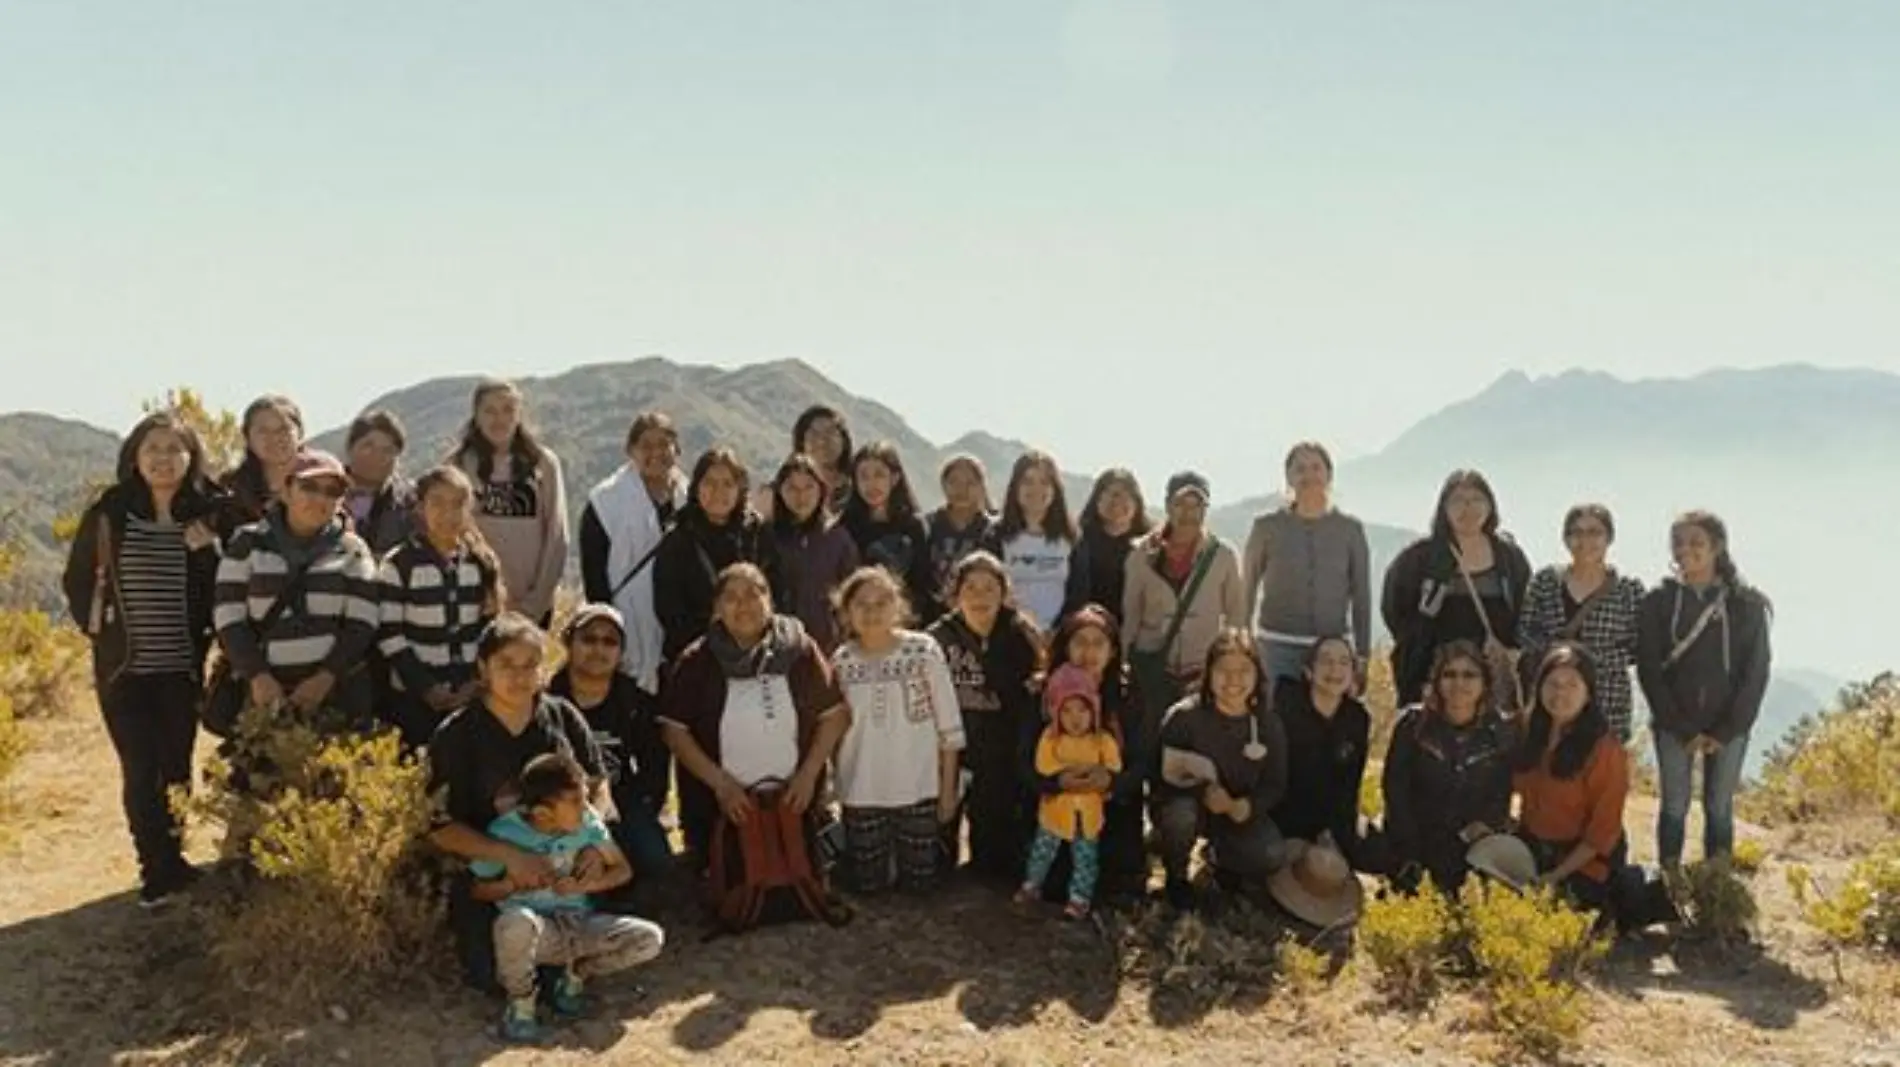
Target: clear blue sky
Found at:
x=1326, y=218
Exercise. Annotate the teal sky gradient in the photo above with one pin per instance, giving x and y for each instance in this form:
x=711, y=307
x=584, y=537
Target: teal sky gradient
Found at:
x=1316, y=219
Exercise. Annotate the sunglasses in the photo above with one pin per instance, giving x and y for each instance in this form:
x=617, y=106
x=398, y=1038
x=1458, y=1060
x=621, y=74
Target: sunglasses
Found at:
x=598, y=640
x=325, y=488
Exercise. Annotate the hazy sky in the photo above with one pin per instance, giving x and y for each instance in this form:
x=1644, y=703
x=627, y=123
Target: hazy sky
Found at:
x=1093, y=225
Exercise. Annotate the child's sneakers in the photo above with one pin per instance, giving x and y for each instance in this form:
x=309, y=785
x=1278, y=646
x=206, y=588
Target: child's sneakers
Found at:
x=520, y=1025
x=568, y=1000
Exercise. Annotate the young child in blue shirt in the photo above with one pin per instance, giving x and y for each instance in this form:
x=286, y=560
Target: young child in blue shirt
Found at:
x=556, y=924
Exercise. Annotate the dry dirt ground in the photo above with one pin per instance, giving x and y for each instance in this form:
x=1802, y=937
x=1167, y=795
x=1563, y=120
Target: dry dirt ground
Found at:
x=87, y=978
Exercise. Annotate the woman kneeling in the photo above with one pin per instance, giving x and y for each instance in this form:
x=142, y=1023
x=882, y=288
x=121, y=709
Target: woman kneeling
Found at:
x=1223, y=767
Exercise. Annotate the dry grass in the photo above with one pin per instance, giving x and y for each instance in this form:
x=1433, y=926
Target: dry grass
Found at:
x=961, y=979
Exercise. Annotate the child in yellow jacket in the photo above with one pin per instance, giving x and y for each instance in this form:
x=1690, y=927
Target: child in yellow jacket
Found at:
x=1077, y=749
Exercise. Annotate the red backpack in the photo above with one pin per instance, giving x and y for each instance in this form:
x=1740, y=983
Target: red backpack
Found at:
x=763, y=872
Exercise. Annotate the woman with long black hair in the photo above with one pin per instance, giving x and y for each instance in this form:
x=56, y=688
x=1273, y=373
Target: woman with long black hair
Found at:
x=1113, y=521
x=273, y=432
x=966, y=523
x=439, y=590
x=994, y=656
x=142, y=576
x=1090, y=639
x=1464, y=582
x=715, y=530
x=886, y=524
x=1036, y=536
x=822, y=433
x=1703, y=660
x=521, y=503
x=815, y=551
x=1572, y=775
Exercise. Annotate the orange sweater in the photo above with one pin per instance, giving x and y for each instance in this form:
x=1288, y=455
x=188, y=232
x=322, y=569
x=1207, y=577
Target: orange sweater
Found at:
x=1588, y=807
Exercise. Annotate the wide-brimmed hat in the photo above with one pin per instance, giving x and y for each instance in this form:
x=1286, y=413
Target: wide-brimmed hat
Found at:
x=1317, y=886
x=1503, y=858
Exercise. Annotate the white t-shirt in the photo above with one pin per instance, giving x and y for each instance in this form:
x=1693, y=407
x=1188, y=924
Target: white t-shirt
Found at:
x=904, y=713
x=758, y=732
x=1039, y=569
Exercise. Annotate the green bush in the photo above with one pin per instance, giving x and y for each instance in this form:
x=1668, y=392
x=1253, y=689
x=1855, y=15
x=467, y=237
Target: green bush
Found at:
x=1303, y=970
x=1845, y=761
x=1715, y=904
x=1864, y=909
x=1529, y=950
x=12, y=739
x=44, y=666
x=1408, y=939
x=345, y=895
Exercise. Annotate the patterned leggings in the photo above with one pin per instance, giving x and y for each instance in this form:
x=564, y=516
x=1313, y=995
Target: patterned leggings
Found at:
x=1085, y=858
x=893, y=846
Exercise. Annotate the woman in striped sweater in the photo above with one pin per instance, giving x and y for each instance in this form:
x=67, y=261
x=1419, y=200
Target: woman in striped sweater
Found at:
x=439, y=589
x=140, y=578
x=308, y=650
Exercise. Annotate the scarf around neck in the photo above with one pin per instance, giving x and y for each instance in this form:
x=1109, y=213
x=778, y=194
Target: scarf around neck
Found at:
x=772, y=654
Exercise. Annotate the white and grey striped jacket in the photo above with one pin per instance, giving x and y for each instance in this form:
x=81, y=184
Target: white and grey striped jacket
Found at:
x=329, y=625
x=433, y=612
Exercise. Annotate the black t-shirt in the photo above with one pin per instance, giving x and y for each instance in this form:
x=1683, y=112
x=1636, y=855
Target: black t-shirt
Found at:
x=612, y=720
x=476, y=759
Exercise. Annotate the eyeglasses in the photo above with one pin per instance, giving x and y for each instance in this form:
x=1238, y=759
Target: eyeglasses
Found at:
x=329, y=490
x=1461, y=674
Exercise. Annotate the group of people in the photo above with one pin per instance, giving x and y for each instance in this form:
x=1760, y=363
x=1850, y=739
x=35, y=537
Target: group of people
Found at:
x=1047, y=695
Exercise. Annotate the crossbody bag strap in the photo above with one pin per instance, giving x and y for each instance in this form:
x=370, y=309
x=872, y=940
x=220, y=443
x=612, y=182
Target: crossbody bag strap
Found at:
x=1574, y=627
x=638, y=567
x=1719, y=607
x=1477, y=601
x=101, y=574
x=291, y=590
x=1202, y=565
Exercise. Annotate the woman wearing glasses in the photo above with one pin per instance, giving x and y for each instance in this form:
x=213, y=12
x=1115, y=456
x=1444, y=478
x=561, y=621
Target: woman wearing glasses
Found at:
x=296, y=605
x=1448, y=773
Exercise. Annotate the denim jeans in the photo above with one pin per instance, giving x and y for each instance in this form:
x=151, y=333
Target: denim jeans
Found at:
x=1282, y=659
x=1721, y=776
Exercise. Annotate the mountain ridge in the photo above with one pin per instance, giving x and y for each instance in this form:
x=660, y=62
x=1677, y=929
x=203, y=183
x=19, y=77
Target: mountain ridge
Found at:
x=1785, y=453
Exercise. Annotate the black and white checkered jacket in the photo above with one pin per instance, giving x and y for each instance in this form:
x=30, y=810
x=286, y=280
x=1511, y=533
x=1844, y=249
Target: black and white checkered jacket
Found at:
x=1609, y=632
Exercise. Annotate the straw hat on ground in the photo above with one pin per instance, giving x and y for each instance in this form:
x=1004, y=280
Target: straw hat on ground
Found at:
x=1504, y=858
x=1317, y=885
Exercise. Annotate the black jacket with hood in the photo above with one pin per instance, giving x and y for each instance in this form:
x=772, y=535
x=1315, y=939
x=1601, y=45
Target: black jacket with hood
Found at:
x=1420, y=584
x=688, y=562
x=1716, y=685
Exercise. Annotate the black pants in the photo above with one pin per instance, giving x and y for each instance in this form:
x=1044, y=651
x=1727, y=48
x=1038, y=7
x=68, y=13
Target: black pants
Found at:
x=998, y=806
x=153, y=721
x=653, y=780
x=1124, y=852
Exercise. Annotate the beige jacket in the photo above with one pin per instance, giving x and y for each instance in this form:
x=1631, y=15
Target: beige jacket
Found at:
x=1149, y=602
